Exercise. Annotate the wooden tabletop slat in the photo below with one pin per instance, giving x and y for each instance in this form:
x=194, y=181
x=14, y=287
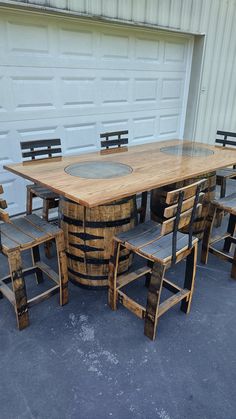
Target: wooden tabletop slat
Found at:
x=151, y=169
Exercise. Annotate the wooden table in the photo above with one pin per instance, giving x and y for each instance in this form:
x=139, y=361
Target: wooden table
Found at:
x=147, y=167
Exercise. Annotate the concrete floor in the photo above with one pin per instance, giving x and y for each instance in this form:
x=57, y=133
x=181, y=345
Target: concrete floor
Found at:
x=85, y=361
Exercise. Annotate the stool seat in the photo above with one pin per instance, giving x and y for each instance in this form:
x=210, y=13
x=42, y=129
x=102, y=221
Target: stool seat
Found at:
x=41, y=192
x=26, y=232
x=141, y=234
x=227, y=203
x=147, y=241
x=226, y=173
x=228, y=206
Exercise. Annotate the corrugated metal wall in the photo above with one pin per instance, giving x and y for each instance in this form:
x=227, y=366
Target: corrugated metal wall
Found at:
x=215, y=18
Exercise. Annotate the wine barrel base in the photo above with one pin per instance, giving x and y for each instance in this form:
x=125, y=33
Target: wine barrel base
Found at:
x=89, y=235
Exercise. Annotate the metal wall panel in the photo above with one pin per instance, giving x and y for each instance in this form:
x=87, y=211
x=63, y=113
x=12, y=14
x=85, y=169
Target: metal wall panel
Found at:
x=215, y=18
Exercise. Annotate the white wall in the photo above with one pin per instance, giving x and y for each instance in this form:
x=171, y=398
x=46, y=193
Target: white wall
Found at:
x=216, y=108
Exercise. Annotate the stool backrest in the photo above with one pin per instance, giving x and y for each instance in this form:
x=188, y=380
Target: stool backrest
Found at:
x=114, y=141
x=182, y=207
x=43, y=149
x=226, y=138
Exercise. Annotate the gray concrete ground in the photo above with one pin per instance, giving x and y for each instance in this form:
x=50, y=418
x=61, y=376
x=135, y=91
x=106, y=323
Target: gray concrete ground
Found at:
x=85, y=361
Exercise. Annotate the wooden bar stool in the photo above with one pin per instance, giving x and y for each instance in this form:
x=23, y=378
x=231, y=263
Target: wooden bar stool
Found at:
x=222, y=175
x=114, y=142
x=161, y=245
x=227, y=205
x=27, y=233
x=226, y=139
x=33, y=151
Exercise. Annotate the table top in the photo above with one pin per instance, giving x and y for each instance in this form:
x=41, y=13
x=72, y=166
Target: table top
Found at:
x=150, y=168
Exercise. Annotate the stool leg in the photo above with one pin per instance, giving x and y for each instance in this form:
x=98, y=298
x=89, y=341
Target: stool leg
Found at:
x=223, y=188
x=153, y=300
x=219, y=218
x=143, y=207
x=18, y=286
x=148, y=276
x=29, y=201
x=220, y=214
x=45, y=215
x=233, y=269
x=45, y=209
x=207, y=233
x=190, y=273
x=63, y=272
x=36, y=258
x=112, y=275
x=230, y=230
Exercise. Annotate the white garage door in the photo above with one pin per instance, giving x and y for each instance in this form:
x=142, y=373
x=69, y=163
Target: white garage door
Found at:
x=70, y=79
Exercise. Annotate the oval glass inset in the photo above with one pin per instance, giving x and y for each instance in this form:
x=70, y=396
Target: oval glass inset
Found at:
x=187, y=150
x=98, y=170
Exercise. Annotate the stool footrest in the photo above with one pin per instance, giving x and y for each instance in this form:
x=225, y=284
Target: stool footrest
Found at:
x=131, y=276
x=220, y=254
x=7, y=292
x=44, y=296
x=219, y=237
x=48, y=271
x=132, y=305
x=170, y=286
x=171, y=301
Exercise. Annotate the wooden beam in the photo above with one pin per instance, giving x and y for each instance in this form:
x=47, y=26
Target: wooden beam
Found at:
x=132, y=305
x=170, y=302
x=131, y=276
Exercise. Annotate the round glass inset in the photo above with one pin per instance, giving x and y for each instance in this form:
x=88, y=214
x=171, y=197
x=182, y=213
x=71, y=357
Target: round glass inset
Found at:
x=98, y=170
x=191, y=150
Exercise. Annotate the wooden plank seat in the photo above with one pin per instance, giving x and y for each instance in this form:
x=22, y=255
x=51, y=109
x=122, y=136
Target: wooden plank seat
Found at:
x=27, y=233
x=228, y=206
x=32, y=151
x=162, y=246
x=228, y=203
x=114, y=142
x=43, y=193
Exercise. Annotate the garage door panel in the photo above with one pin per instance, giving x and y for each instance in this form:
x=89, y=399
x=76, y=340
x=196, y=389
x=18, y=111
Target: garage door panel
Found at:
x=27, y=38
x=169, y=124
x=144, y=129
x=12, y=185
x=146, y=90
x=78, y=92
x=14, y=193
x=115, y=47
x=175, y=52
x=48, y=93
x=2, y=96
x=80, y=138
x=76, y=43
x=71, y=46
x=148, y=50
x=33, y=93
